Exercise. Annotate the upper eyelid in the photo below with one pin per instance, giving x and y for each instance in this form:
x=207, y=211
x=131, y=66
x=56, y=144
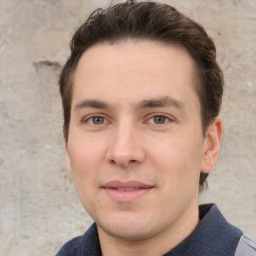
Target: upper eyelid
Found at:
x=87, y=117
x=161, y=114
x=89, y=121
x=149, y=121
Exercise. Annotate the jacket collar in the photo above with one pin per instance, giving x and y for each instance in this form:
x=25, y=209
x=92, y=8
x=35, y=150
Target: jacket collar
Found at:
x=213, y=236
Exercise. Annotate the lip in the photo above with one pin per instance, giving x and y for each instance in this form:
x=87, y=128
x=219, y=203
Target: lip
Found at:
x=125, y=192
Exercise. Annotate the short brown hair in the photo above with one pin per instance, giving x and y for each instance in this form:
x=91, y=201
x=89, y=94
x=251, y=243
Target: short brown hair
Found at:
x=148, y=21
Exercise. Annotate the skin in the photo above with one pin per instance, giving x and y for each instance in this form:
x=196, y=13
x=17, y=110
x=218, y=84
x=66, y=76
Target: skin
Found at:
x=135, y=116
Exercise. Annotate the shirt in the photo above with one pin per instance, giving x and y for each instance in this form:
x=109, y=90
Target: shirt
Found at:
x=213, y=236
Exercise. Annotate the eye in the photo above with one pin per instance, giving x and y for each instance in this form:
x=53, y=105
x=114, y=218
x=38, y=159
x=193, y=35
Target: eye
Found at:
x=97, y=120
x=159, y=119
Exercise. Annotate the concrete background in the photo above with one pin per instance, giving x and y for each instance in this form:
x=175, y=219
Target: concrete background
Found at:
x=39, y=209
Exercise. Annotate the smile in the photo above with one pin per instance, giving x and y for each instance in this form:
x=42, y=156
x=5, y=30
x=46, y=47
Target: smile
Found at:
x=126, y=192
x=126, y=189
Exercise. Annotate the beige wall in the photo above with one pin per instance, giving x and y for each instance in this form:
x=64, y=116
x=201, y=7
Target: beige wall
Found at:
x=39, y=209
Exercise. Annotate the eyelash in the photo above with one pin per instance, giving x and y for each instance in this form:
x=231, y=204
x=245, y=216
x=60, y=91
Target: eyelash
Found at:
x=90, y=120
x=167, y=118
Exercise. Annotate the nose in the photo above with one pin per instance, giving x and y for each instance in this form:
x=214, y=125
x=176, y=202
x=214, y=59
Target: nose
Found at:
x=125, y=148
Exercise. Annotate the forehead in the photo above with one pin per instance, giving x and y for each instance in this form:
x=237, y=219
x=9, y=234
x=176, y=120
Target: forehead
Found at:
x=136, y=66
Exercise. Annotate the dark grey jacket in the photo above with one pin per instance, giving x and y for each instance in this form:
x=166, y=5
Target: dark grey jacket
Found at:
x=213, y=236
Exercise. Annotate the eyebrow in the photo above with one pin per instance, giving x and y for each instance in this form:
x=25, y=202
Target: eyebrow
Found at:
x=91, y=103
x=165, y=101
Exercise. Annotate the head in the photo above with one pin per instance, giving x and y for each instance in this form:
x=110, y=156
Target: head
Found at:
x=141, y=95
x=153, y=22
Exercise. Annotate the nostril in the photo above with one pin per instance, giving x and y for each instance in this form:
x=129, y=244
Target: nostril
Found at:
x=123, y=163
x=112, y=161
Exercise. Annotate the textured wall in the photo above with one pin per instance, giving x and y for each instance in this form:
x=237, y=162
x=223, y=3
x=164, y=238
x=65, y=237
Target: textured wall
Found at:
x=39, y=209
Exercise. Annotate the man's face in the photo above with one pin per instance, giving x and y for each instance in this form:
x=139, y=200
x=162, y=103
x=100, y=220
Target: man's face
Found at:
x=135, y=145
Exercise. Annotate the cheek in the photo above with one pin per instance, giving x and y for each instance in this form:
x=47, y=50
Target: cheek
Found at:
x=85, y=160
x=179, y=175
x=178, y=160
x=85, y=152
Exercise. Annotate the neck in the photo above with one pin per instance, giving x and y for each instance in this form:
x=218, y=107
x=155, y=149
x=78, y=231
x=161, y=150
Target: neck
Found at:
x=157, y=245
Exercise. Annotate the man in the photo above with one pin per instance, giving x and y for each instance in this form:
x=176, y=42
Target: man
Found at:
x=141, y=96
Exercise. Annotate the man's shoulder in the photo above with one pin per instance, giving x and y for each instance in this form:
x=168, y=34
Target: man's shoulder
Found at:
x=86, y=245
x=70, y=248
x=246, y=247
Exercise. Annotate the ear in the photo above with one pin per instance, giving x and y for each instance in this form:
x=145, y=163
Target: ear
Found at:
x=212, y=141
x=68, y=162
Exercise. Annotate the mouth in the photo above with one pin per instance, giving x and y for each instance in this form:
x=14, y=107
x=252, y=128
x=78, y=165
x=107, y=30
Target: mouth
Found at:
x=126, y=191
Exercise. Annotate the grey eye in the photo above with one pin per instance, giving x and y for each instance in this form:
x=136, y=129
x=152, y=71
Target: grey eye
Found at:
x=159, y=119
x=98, y=120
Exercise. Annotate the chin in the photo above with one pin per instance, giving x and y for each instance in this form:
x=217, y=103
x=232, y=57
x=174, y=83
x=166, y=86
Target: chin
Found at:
x=133, y=233
x=128, y=228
